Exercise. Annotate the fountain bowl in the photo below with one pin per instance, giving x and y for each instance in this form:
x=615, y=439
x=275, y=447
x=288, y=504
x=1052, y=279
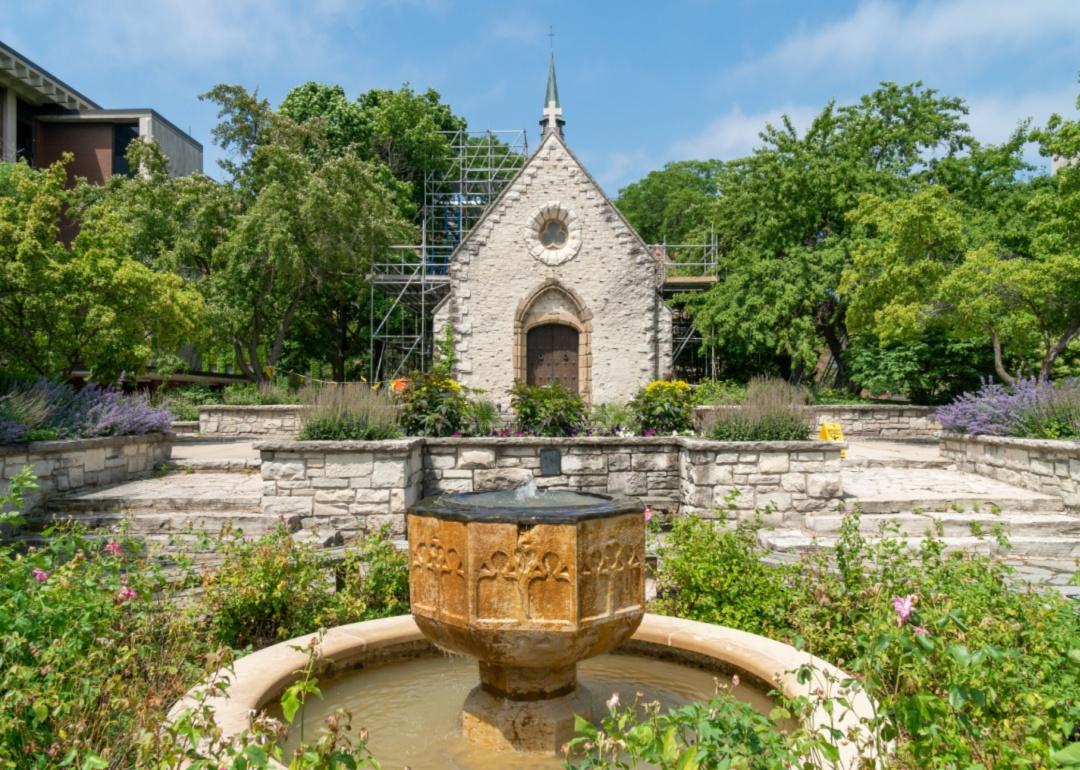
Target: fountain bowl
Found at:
x=528, y=583
x=256, y=681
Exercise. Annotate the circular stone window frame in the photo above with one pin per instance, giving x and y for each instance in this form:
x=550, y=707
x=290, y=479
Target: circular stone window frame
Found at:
x=553, y=257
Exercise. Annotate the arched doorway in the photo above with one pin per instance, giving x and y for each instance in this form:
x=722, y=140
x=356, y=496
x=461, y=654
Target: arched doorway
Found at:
x=552, y=355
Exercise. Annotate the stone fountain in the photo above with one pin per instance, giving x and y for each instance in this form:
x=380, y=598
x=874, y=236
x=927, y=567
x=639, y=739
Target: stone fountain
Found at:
x=529, y=583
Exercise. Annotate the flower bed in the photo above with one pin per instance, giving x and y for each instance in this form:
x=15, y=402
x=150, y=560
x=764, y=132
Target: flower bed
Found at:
x=1049, y=467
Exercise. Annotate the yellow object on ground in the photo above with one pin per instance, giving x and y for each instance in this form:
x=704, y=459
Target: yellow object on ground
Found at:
x=831, y=431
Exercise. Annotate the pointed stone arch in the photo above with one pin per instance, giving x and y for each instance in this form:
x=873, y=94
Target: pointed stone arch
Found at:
x=554, y=303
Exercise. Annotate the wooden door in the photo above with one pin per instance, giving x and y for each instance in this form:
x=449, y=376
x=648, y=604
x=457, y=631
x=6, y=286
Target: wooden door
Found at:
x=552, y=355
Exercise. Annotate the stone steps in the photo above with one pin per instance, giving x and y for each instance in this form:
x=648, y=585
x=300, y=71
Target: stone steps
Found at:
x=1024, y=546
x=954, y=524
x=918, y=502
x=213, y=465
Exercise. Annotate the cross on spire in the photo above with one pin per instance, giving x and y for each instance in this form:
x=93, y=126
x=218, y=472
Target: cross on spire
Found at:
x=552, y=119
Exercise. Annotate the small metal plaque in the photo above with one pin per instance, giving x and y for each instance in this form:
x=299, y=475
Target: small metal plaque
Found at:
x=550, y=462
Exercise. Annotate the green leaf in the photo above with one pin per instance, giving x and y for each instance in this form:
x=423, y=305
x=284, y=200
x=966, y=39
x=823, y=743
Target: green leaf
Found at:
x=583, y=726
x=1068, y=756
x=925, y=641
x=688, y=760
x=669, y=751
x=1074, y=656
x=290, y=704
x=257, y=755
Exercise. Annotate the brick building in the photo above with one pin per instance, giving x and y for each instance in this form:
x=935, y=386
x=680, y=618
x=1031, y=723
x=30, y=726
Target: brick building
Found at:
x=42, y=117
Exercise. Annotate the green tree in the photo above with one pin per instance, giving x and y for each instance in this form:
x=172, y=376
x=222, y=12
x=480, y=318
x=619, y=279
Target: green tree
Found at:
x=308, y=221
x=781, y=217
x=92, y=304
x=998, y=261
x=670, y=204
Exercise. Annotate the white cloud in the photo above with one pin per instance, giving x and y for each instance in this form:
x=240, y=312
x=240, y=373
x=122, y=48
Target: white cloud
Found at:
x=735, y=134
x=520, y=29
x=994, y=118
x=618, y=167
x=208, y=31
x=952, y=30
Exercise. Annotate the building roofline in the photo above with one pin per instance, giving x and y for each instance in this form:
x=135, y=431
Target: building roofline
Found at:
x=29, y=64
x=78, y=116
x=556, y=136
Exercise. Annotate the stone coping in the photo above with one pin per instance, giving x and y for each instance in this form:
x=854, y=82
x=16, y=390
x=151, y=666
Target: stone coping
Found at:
x=256, y=680
x=686, y=442
x=1065, y=447
x=455, y=506
x=389, y=446
x=76, y=444
x=252, y=407
x=886, y=406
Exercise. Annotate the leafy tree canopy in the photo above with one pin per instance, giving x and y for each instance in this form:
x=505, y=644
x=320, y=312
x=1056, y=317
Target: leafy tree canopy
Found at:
x=92, y=304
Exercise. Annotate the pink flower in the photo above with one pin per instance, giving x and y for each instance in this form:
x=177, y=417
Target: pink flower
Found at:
x=113, y=547
x=648, y=514
x=40, y=575
x=904, y=606
x=124, y=594
x=920, y=631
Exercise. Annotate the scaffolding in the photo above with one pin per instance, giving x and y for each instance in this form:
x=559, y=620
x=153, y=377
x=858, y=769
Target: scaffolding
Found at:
x=412, y=280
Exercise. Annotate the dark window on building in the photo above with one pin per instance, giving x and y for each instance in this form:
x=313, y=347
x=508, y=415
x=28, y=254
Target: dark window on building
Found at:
x=24, y=131
x=123, y=135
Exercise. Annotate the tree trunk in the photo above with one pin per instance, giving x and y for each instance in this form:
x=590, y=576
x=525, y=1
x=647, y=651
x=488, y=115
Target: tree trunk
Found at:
x=836, y=350
x=999, y=365
x=1056, y=350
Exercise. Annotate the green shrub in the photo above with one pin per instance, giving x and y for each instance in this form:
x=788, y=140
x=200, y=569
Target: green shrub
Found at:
x=484, y=417
x=967, y=668
x=434, y=404
x=712, y=392
x=374, y=579
x=349, y=412
x=547, y=410
x=183, y=402
x=714, y=573
x=267, y=590
x=266, y=394
x=92, y=652
x=612, y=420
x=772, y=412
x=664, y=406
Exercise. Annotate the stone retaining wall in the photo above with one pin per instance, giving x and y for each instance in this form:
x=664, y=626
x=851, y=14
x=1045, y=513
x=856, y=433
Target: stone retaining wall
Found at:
x=277, y=420
x=883, y=421
x=69, y=466
x=337, y=488
x=1049, y=467
x=640, y=467
x=351, y=486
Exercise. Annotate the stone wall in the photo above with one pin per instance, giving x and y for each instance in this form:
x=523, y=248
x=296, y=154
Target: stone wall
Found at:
x=69, y=466
x=278, y=420
x=336, y=488
x=340, y=488
x=1049, y=467
x=640, y=467
x=794, y=477
x=881, y=421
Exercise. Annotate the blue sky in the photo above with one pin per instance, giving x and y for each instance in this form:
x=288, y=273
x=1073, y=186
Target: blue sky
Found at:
x=641, y=83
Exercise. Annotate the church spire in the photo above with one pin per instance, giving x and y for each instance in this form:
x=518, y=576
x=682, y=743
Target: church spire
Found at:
x=552, y=119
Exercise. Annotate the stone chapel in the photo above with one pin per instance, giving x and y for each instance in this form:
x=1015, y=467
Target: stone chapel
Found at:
x=554, y=285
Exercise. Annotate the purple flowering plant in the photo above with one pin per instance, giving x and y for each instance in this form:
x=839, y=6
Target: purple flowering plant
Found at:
x=1028, y=408
x=43, y=409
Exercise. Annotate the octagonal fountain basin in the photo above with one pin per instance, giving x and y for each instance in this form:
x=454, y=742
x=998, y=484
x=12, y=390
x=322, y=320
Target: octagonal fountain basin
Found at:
x=408, y=696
